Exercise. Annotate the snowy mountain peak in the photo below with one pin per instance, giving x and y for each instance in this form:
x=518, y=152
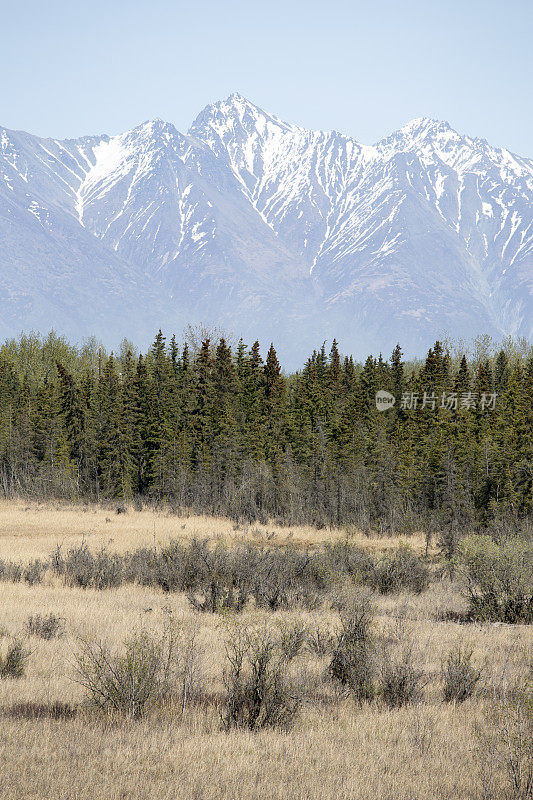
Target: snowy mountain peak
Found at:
x=424, y=124
x=235, y=116
x=155, y=130
x=268, y=228
x=423, y=131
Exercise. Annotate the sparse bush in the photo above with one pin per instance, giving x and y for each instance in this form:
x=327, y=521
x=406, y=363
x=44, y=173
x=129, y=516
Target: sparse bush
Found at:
x=460, y=676
x=33, y=572
x=259, y=693
x=169, y=567
x=141, y=567
x=280, y=578
x=292, y=639
x=401, y=679
x=223, y=578
x=498, y=578
x=13, y=661
x=148, y=670
x=218, y=582
x=80, y=567
x=353, y=661
x=320, y=641
x=506, y=740
x=45, y=627
x=188, y=668
x=344, y=558
x=397, y=570
x=401, y=569
x=10, y=571
x=76, y=568
x=128, y=683
x=107, y=570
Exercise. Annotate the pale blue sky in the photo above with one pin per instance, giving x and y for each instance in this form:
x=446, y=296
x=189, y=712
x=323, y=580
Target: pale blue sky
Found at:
x=363, y=68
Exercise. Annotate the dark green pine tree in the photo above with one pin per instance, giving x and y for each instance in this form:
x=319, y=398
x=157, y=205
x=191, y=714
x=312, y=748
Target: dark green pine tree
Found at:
x=397, y=373
x=349, y=375
x=251, y=403
x=163, y=415
x=114, y=468
x=462, y=381
x=501, y=373
x=274, y=408
x=73, y=418
x=368, y=386
x=335, y=373
x=147, y=430
x=224, y=419
x=202, y=427
x=9, y=386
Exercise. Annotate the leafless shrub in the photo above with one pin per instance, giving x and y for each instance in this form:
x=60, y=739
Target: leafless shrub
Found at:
x=279, y=572
x=506, y=740
x=222, y=580
x=45, y=627
x=107, y=570
x=76, y=568
x=460, y=676
x=13, y=661
x=148, y=670
x=10, y=571
x=321, y=641
x=80, y=567
x=344, y=558
x=33, y=572
x=258, y=691
x=128, y=683
x=401, y=676
x=397, y=570
x=353, y=661
x=292, y=639
x=401, y=569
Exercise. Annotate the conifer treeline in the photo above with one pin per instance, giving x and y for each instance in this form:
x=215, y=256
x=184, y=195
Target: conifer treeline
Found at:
x=222, y=431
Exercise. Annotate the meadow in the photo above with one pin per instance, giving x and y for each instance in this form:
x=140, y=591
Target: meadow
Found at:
x=55, y=745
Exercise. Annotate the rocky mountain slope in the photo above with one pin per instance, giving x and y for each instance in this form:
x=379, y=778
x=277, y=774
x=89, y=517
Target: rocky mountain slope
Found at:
x=269, y=230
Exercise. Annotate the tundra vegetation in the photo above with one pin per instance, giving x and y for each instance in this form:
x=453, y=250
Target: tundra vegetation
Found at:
x=130, y=671
x=218, y=581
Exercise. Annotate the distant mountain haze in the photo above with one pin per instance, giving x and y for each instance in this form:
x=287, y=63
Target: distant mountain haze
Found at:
x=267, y=230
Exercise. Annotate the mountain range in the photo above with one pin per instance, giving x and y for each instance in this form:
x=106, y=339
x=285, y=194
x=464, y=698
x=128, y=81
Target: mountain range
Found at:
x=267, y=230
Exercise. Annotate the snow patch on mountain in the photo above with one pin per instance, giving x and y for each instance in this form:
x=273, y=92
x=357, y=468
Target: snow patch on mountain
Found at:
x=252, y=221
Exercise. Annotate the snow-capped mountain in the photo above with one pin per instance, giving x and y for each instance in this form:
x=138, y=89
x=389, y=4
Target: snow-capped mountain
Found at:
x=267, y=229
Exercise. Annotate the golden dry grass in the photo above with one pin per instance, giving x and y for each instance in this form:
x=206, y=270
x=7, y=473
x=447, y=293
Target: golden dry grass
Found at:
x=370, y=755
x=335, y=752
x=32, y=530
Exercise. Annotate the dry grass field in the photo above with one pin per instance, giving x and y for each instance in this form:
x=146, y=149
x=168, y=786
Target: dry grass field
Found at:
x=32, y=530
x=336, y=750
